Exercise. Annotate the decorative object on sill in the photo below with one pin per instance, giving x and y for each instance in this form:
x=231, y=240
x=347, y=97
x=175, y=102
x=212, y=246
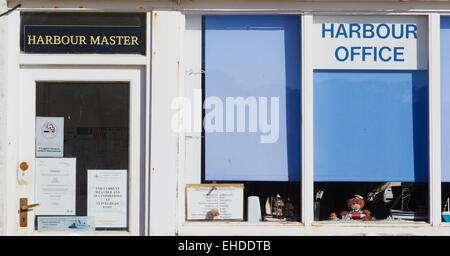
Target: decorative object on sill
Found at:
x=404, y=213
x=276, y=209
x=446, y=212
x=333, y=216
x=356, y=205
x=289, y=210
x=211, y=214
x=253, y=209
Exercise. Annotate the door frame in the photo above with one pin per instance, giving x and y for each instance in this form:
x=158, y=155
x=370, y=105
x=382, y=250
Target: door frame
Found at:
x=24, y=187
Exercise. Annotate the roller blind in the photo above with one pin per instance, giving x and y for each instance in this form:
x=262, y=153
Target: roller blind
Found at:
x=255, y=57
x=445, y=98
x=371, y=126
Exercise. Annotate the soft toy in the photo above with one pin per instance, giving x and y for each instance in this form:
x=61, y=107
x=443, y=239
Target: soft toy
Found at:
x=356, y=205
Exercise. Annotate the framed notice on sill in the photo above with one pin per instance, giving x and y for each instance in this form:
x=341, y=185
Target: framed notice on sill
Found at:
x=214, y=202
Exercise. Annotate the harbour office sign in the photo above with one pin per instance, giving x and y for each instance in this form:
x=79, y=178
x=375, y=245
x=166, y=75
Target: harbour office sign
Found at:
x=82, y=39
x=370, y=42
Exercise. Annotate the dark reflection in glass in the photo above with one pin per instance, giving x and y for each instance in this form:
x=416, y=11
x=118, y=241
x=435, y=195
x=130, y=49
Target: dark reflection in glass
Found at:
x=96, y=126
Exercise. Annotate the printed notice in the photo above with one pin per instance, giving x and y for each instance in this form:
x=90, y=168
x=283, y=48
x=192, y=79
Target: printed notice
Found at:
x=49, y=136
x=55, y=186
x=57, y=223
x=107, y=198
x=215, y=202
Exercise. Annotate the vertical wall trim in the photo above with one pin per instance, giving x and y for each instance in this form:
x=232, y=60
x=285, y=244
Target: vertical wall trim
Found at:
x=3, y=111
x=165, y=73
x=307, y=123
x=435, y=119
x=12, y=115
x=148, y=52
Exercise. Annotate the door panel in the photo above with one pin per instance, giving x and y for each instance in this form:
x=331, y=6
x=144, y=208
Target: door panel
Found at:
x=94, y=117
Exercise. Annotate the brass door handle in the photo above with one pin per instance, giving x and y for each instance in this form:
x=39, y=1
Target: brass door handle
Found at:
x=26, y=207
x=23, y=211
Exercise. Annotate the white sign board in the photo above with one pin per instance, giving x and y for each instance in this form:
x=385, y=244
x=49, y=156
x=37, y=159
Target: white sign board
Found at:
x=370, y=42
x=107, y=198
x=215, y=202
x=55, y=186
x=49, y=136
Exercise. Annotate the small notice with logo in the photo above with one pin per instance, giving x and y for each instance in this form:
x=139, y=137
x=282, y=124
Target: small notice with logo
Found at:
x=49, y=136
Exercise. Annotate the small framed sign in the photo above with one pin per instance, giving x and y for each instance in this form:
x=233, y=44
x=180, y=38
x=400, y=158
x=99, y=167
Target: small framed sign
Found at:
x=215, y=202
x=82, y=39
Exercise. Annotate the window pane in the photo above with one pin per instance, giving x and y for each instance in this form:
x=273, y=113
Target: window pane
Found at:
x=371, y=126
x=257, y=58
x=96, y=133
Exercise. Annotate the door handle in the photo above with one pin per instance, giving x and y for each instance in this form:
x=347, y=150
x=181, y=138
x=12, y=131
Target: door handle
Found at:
x=26, y=207
x=23, y=211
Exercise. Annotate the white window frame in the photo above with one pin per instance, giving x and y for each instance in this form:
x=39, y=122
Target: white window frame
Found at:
x=307, y=224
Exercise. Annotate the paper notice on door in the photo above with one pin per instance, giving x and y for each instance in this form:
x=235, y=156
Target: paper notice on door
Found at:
x=107, y=198
x=66, y=223
x=49, y=136
x=55, y=186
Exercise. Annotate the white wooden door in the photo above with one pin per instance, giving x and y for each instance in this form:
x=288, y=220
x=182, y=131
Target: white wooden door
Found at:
x=102, y=111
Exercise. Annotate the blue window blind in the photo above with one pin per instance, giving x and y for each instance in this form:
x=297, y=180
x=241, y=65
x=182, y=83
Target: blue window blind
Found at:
x=445, y=98
x=254, y=56
x=371, y=126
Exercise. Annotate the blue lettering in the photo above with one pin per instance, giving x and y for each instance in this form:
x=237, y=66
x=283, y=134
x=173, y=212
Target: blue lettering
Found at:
x=341, y=31
x=353, y=52
x=375, y=53
x=324, y=30
x=401, y=31
x=379, y=28
x=368, y=31
x=365, y=53
x=411, y=28
x=397, y=53
x=354, y=28
x=381, y=53
x=336, y=53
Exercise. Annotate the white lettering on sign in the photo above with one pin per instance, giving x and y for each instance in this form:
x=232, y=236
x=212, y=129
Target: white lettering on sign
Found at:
x=370, y=42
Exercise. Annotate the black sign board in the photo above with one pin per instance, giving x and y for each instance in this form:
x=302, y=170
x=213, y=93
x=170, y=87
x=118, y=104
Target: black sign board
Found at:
x=83, y=39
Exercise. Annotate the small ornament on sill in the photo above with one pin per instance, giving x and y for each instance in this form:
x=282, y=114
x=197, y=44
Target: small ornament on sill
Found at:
x=356, y=205
x=278, y=209
x=289, y=210
x=333, y=216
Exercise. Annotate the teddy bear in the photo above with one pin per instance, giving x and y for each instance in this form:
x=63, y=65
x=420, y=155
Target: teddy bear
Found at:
x=356, y=205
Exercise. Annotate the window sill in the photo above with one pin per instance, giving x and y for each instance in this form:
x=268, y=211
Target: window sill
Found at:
x=244, y=223
x=380, y=223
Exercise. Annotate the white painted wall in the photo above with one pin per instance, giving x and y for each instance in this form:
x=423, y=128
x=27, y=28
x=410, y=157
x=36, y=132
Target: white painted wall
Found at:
x=175, y=157
x=3, y=101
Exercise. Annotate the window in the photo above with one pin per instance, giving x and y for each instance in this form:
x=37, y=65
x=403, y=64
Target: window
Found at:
x=252, y=108
x=371, y=117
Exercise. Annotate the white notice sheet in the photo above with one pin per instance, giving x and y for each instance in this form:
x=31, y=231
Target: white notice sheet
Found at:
x=107, y=198
x=55, y=186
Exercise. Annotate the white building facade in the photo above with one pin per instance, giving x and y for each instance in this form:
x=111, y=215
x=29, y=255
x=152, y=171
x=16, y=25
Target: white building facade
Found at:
x=360, y=88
